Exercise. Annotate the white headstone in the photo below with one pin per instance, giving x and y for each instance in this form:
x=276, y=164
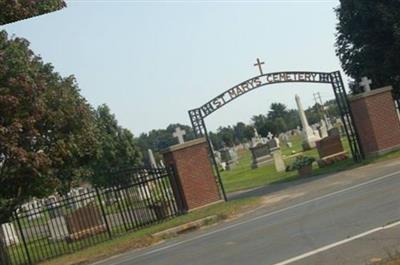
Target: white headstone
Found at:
x=10, y=236
x=223, y=165
x=179, y=134
x=152, y=160
x=278, y=160
x=366, y=83
x=270, y=136
x=34, y=210
x=58, y=228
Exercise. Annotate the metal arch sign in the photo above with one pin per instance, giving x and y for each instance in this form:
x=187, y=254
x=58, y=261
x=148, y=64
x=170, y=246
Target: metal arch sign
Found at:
x=198, y=115
x=262, y=80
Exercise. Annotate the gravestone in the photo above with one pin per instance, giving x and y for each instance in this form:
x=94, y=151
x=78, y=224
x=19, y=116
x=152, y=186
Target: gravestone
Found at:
x=58, y=228
x=330, y=150
x=316, y=133
x=270, y=136
x=10, y=237
x=85, y=221
x=53, y=207
x=273, y=143
x=340, y=126
x=229, y=156
x=223, y=166
x=334, y=131
x=288, y=142
x=256, y=139
x=285, y=139
x=278, y=160
x=261, y=156
x=34, y=210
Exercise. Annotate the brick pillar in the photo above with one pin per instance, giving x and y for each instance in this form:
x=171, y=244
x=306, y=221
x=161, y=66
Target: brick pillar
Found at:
x=376, y=120
x=196, y=181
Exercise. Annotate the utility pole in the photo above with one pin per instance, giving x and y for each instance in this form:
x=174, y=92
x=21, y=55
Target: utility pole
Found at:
x=322, y=113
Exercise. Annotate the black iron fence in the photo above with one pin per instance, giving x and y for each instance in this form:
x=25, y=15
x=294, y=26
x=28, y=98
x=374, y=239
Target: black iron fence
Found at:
x=59, y=225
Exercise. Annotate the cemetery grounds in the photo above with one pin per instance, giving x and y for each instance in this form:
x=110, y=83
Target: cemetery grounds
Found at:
x=243, y=177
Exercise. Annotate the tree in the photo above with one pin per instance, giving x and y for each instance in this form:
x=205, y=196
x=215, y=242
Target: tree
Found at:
x=278, y=110
x=262, y=124
x=117, y=150
x=46, y=127
x=227, y=135
x=242, y=132
x=368, y=41
x=215, y=140
x=14, y=10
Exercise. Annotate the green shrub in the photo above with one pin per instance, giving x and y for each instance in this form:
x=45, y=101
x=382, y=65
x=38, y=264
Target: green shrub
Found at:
x=300, y=162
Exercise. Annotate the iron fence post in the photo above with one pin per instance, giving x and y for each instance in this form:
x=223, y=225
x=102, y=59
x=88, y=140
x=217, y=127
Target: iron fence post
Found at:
x=28, y=256
x=103, y=212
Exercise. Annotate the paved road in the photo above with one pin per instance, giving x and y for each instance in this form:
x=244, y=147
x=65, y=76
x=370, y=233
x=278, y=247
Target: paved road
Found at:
x=318, y=213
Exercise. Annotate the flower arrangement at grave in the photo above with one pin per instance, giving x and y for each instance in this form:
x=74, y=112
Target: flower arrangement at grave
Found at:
x=303, y=164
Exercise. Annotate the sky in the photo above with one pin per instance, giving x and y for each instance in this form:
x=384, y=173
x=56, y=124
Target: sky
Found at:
x=152, y=61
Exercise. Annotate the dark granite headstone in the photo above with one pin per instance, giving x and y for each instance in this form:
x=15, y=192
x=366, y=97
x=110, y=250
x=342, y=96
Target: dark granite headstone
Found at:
x=330, y=150
x=329, y=146
x=261, y=156
x=84, y=222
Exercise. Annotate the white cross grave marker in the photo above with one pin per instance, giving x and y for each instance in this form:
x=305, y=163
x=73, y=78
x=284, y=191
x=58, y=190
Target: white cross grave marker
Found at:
x=270, y=136
x=179, y=134
x=365, y=83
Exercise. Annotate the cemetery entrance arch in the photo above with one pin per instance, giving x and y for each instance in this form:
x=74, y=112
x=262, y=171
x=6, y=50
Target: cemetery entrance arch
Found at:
x=198, y=115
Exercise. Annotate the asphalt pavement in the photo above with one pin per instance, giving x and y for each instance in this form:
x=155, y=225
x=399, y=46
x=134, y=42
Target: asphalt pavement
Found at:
x=334, y=219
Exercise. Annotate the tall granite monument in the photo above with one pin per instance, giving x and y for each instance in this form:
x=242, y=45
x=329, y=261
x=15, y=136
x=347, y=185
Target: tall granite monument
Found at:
x=309, y=138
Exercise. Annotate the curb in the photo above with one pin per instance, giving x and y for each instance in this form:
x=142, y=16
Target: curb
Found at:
x=186, y=227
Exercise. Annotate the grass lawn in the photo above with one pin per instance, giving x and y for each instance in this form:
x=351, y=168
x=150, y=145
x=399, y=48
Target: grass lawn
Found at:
x=143, y=237
x=243, y=177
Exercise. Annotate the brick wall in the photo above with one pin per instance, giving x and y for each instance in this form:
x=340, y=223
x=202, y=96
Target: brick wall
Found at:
x=376, y=120
x=195, y=175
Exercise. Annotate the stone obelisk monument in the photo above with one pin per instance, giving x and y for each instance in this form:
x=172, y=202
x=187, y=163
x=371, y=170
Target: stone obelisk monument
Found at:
x=309, y=138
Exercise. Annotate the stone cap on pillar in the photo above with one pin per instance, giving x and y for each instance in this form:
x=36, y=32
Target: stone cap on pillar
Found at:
x=370, y=93
x=187, y=144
